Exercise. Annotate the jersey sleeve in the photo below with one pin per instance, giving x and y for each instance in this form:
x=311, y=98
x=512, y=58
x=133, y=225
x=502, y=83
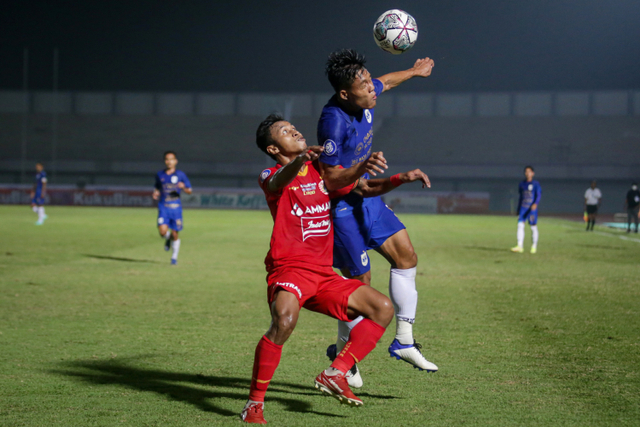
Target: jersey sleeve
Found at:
x=378, y=86
x=43, y=178
x=264, y=179
x=185, y=180
x=332, y=132
x=537, y=193
x=586, y=194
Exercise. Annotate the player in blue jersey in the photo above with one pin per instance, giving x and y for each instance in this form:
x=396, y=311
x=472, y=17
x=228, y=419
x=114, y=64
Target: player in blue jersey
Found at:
x=169, y=183
x=345, y=131
x=39, y=193
x=530, y=193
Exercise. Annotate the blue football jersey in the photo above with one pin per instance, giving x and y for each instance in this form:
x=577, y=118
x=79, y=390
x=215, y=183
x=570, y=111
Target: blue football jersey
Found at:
x=347, y=139
x=168, y=187
x=41, y=178
x=530, y=193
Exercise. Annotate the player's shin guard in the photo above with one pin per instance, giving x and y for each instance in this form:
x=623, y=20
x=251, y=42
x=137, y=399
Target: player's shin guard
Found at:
x=520, y=234
x=175, y=245
x=363, y=339
x=403, y=294
x=265, y=363
x=534, y=235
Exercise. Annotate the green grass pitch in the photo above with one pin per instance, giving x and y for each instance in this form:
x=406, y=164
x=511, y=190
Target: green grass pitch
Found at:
x=97, y=329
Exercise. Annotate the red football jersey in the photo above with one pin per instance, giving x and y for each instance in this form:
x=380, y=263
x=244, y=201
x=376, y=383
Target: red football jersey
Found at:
x=302, y=233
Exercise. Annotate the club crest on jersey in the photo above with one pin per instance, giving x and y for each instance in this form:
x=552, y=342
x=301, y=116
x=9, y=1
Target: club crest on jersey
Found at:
x=364, y=258
x=322, y=188
x=330, y=147
x=265, y=174
x=530, y=187
x=367, y=115
x=315, y=226
x=174, y=179
x=296, y=211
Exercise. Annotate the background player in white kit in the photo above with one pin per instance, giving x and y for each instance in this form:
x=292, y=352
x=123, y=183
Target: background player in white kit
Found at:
x=591, y=203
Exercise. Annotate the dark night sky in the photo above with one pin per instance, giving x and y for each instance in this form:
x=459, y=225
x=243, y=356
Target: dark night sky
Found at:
x=490, y=45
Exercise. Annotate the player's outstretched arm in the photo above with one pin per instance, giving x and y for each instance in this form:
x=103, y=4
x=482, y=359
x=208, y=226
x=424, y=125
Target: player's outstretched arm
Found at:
x=378, y=187
x=422, y=68
x=336, y=177
x=288, y=172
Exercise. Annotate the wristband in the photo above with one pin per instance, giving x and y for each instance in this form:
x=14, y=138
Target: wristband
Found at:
x=395, y=180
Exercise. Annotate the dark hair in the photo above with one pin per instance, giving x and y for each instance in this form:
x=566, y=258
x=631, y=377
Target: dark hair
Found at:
x=263, y=134
x=343, y=67
x=164, y=156
x=529, y=167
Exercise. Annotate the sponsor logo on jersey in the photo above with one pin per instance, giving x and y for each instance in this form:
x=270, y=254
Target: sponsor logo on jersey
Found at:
x=330, y=147
x=530, y=187
x=290, y=286
x=322, y=188
x=364, y=258
x=308, y=189
x=296, y=211
x=359, y=149
x=315, y=226
x=174, y=179
x=318, y=208
x=265, y=174
x=367, y=114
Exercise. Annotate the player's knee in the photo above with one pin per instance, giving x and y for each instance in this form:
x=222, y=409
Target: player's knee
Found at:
x=408, y=260
x=285, y=320
x=384, y=311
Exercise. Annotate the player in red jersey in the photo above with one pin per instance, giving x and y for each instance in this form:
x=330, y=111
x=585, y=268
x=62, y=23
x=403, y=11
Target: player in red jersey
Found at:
x=299, y=272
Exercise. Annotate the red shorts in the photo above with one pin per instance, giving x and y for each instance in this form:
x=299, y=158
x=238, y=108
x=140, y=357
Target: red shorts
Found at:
x=321, y=290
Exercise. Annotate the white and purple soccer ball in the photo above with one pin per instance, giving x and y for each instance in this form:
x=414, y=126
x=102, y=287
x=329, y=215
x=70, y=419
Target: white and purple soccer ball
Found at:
x=395, y=31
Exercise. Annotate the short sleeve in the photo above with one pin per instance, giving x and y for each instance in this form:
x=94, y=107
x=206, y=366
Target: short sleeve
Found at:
x=586, y=194
x=332, y=131
x=185, y=180
x=266, y=176
x=378, y=86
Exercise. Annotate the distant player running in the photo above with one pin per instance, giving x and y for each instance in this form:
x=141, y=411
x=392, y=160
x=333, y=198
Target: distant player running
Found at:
x=39, y=193
x=299, y=272
x=530, y=194
x=345, y=129
x=169, y=183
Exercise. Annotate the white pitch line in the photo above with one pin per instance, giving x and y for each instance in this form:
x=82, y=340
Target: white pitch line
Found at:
x=631, y=239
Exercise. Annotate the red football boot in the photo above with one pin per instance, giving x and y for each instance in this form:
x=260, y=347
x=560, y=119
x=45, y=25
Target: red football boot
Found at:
x=252, y=413
x=337, y=386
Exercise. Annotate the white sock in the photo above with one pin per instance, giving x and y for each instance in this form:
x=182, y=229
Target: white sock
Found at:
x=520, y=234
x=34, y=209
x=534, y=235
x=167, y=234
x=402, y=290
x=344, y=329
x=332, y=371
x=41, y=212
x=176, y=248
x=404, y=332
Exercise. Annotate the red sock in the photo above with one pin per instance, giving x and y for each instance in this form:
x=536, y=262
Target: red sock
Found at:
x=362, y=339
x=265, y=363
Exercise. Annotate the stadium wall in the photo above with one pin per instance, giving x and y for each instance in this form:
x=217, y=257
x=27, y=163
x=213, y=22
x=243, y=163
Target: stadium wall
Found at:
x=465, y=142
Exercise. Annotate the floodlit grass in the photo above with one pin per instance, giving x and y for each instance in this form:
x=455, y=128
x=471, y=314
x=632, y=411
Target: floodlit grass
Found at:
x=97, y=329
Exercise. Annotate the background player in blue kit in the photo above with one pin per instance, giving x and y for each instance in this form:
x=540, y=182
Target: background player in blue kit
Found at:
x=169, y=183
x=39, y=193
x=345, y=131
x=530, y=193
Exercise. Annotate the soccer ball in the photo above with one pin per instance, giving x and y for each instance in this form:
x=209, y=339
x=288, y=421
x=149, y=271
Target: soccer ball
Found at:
x=395, y=31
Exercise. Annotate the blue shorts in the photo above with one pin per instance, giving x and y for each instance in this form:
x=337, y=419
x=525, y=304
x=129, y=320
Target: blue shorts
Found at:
x=171, y=217
x=38, y=200
x=368, y=226
x=527, y=214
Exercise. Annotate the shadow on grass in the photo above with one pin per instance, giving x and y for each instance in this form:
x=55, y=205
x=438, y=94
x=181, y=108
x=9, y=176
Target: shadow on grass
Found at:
x=487, y=248
x=172, y=385
x=616, y=248
x=115, y=258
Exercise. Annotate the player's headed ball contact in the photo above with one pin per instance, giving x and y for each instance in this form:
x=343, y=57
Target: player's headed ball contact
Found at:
x=395, y=31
